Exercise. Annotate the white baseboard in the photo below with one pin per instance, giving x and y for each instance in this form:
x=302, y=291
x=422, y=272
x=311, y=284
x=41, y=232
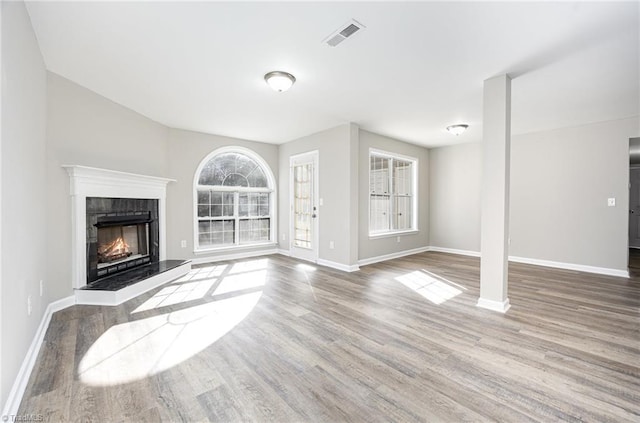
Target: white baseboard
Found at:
x=20, y=384
x=234, y=256
x=499, y=306
x=391, y=256
x=455, y=251
x=544, y=263
x=327, y=263
x=338, y=266
x=571, y=266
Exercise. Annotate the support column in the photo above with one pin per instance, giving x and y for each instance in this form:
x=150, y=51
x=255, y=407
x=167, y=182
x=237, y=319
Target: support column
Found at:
x=496, y=146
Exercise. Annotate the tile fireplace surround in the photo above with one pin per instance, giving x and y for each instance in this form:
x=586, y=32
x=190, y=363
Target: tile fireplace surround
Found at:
x=93, y=182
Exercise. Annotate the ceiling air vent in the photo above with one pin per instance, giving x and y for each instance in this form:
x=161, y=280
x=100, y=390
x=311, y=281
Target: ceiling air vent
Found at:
x=344, y=32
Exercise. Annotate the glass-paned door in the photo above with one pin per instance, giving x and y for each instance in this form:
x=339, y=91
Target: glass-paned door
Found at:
x=304, y=210
x=302, y=206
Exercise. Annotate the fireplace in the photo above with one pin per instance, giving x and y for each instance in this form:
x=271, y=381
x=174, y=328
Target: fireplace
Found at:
x=122, y=234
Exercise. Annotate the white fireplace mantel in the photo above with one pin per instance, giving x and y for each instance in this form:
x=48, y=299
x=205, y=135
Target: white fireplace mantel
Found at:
x=93, y=182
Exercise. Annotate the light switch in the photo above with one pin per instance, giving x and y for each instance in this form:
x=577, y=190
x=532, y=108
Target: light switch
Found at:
x=321, y=202
x=611, y=202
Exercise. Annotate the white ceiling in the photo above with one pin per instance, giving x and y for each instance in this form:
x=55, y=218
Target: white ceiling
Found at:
x=415, y=69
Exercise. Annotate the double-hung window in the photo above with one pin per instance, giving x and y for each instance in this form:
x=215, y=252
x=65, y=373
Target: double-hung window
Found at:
x=392, y=193
x=234, y=192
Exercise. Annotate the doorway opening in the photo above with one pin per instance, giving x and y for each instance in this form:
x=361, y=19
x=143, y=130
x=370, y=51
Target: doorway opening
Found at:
x=634, y=204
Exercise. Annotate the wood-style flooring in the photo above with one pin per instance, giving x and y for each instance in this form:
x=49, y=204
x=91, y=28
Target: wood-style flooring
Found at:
x=275, y=339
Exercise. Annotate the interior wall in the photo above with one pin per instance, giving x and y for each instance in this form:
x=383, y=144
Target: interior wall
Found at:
x=336, y=150
x=85, y=128
x=23, y=181
x=560, y=182
x=455, y=176
x=186, y=150
x=374, y=247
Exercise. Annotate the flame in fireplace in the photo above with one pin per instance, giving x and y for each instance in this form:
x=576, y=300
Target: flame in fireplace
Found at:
x=113, y=250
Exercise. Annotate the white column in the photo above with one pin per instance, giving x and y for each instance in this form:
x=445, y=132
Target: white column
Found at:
x=496, y=143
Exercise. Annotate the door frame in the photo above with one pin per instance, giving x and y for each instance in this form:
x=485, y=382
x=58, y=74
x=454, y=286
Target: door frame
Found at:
x=313, y=157
x=634, y=143
x=632, y=168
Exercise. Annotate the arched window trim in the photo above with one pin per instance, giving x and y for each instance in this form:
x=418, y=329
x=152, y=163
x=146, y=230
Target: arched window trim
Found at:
x=271, y=180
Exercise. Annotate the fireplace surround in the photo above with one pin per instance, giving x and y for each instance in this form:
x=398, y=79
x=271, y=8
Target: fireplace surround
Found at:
x=95, y=190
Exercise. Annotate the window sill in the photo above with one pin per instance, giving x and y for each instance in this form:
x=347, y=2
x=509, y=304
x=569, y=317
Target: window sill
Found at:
x=243, y=247
x=395, y=233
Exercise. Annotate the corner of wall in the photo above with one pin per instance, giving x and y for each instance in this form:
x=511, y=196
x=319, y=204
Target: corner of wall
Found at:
x=24, y=117
x=354, y=152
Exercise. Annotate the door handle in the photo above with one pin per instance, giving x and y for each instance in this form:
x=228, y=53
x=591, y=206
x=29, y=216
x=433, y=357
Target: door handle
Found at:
x=313, y=216
x=632, y=211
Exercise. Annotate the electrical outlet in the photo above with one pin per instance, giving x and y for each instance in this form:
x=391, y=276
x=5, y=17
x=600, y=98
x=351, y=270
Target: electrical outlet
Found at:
x=398, y=239
x=29, y=305
x=611, y=202
x=321, y=202
x=183, y=243
x=332, y=245
x=41, y=287
x=284, y=237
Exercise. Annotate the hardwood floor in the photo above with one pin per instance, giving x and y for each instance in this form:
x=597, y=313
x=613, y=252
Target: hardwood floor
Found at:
x=274, y=339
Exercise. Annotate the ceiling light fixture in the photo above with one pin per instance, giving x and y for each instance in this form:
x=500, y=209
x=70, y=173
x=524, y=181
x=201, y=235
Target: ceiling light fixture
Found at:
x=279, y=81
x=457, y=129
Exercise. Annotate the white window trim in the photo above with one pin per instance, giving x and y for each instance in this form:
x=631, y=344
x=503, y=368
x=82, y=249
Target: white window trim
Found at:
x=272, y=200
x=391, y=234
x=414, y=212
x=236, y=247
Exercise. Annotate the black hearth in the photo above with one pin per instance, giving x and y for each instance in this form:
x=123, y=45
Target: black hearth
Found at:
x=122, y=234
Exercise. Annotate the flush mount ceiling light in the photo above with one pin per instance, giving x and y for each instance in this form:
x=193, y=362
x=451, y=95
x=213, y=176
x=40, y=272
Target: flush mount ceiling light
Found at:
x=279, y=81
x=457, y=129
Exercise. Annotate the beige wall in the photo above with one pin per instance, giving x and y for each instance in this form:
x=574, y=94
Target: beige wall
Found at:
x=186, y=150
x=23, y=185
x=84, y=128
x=369, y=248
x=560, y=182
x=455, y=176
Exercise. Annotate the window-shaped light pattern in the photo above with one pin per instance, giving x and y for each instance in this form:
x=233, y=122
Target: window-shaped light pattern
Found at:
x=391, y=194
x=234, y=204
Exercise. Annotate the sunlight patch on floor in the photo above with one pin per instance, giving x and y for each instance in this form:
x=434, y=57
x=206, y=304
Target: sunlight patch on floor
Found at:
x=249, y=266
x=432, y=287
x=177, y=293
x=305, y=267
x=241, y=282
x=144, y=347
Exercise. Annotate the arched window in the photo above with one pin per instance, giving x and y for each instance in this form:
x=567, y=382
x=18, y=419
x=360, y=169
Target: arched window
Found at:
x=234, y=192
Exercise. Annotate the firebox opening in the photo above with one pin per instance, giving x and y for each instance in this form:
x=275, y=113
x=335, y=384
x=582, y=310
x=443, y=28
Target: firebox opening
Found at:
x=122, y=234
x=118, y=244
